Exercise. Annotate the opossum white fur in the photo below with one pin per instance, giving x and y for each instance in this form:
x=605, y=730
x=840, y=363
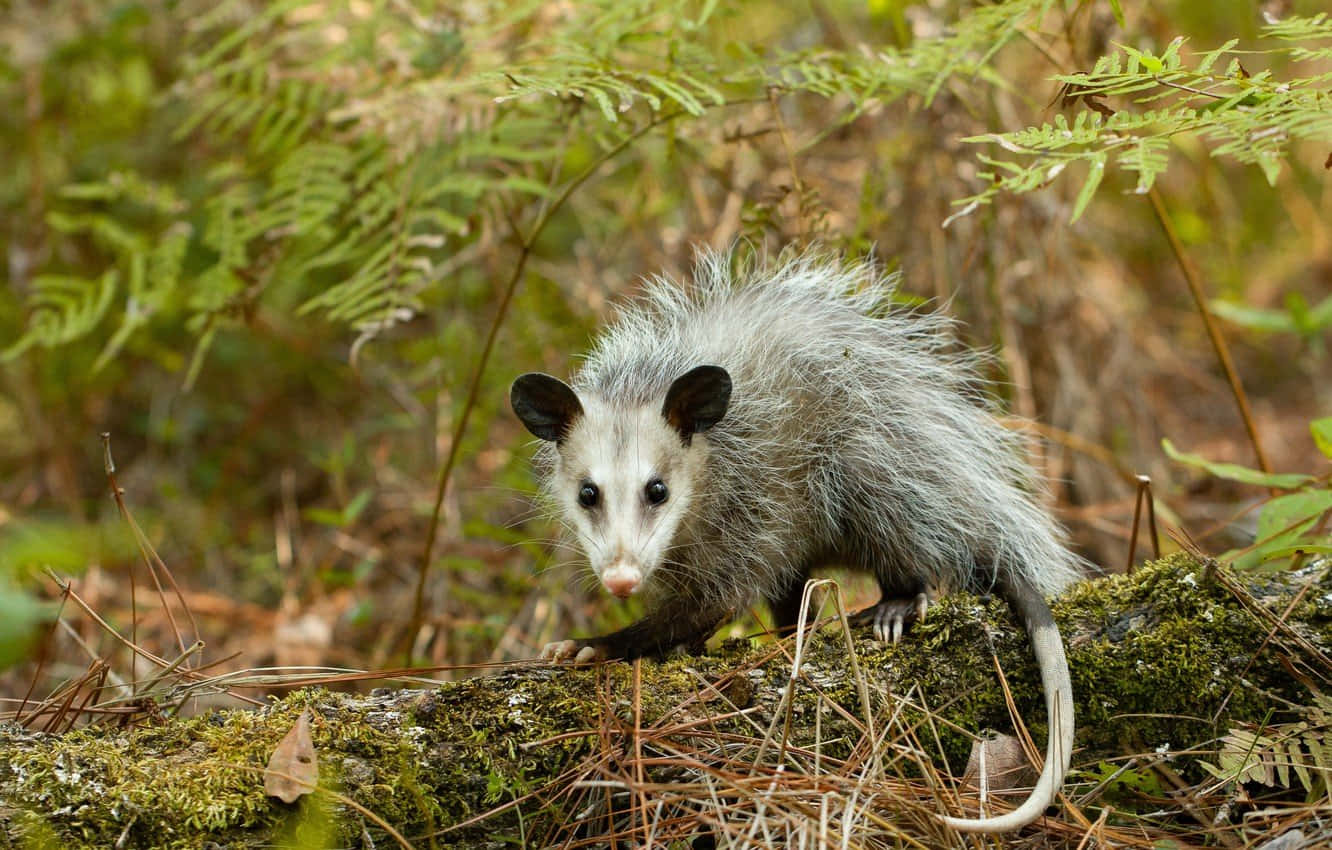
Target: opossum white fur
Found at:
x=737, y=434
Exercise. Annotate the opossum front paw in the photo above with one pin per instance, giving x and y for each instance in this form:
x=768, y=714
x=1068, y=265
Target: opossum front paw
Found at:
x=564, y=650
x=891, y=617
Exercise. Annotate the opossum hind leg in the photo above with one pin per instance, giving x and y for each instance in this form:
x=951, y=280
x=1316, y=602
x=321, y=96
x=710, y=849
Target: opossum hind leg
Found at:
x=896, y=611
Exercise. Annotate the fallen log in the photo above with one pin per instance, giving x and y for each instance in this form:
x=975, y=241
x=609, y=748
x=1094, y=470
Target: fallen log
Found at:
x=1164, y=662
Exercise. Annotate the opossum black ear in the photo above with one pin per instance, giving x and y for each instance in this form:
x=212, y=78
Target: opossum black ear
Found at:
x=697, y=400
x=546, y=405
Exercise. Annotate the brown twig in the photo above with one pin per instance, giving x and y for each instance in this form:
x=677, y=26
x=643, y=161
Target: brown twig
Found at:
x=1213, y=333
x=1144, y=495
x=1151, y=519
x=43, y=655
x=1279, y=623
x=1189, y=802
x=151, y=559
x=67, y=589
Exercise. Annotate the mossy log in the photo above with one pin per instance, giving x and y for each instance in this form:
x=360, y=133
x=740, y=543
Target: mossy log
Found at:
x=1168, y=658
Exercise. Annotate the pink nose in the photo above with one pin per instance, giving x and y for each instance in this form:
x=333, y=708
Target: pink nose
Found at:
x=621, y=583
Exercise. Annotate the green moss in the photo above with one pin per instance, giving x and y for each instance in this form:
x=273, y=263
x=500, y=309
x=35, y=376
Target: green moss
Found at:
x=1155, y=650
x=204, y=777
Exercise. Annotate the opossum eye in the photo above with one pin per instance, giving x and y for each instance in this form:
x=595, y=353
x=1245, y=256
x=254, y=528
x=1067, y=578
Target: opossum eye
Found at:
x=587, y=494
x=656, y=491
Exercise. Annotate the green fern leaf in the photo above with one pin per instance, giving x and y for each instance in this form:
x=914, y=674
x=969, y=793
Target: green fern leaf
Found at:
x=64, y=308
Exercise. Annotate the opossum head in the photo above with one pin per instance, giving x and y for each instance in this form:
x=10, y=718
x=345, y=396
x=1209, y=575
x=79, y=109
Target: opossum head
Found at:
x=626, y=477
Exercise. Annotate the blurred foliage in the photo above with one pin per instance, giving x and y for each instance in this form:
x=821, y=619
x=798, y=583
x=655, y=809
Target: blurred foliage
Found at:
x=19, y=614
x=261, y=244
x=1311, y=324
x=354, y=152
x=1293, y=522
x=28, y=548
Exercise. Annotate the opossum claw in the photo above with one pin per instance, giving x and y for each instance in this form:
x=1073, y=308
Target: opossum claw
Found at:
x=589, y=653
x=891, y=617
x=558, y=650
x=564, y=650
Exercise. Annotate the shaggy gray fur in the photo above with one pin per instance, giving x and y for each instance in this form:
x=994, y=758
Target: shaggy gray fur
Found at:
x=853, y=430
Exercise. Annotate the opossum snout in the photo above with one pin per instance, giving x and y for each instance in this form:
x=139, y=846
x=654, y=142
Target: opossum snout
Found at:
x=622, y=579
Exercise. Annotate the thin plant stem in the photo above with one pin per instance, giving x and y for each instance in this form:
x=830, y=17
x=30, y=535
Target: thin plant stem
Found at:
x=1214, y=334
x=1144, y=496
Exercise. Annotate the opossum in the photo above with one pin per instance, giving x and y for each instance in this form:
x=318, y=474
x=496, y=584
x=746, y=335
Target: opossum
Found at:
x=724, y=439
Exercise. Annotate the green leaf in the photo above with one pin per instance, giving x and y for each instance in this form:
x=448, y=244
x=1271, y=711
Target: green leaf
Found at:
x=1210, y=57
x=201, y=349
x=1293, y=511
x=1272, y=554
x=1320, y=317
x=89, y=192
x=64, y=308
x=1283, y=525
x=344, y=517
x=1235, y=472
x=1171, y=56
x=1146, y=60
x=1270, y=164
x=1253, y=318
x=1118, y=11
x=356, y=505
x=1322, y=435
x=1095, y=172
x=19, y=615
x=325, y=516
x=1299, y=312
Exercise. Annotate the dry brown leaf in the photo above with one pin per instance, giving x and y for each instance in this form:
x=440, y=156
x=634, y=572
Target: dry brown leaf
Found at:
x=998, y=763
x=293, y=768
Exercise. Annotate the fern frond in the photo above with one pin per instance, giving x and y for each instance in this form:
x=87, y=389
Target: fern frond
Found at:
x=64, y=308
x=1300, y=28
x=310, y=187
x=1284, y=756
x=152, y=282
x=351, y=152
x=1250, y=118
